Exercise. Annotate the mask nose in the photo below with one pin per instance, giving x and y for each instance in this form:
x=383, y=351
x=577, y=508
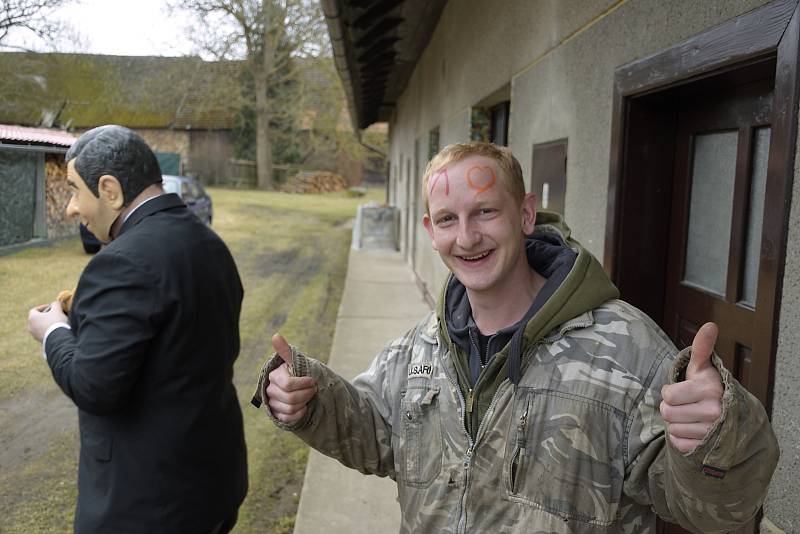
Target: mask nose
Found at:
x=72, y=207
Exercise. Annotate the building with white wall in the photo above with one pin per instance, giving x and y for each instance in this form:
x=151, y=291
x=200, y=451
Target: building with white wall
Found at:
x=664, y=131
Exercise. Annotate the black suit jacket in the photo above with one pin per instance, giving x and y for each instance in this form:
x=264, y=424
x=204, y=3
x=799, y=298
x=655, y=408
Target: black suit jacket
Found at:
x=149, y=363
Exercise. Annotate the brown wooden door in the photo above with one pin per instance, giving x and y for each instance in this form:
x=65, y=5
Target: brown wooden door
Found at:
x=716, y=224
x=714, y=267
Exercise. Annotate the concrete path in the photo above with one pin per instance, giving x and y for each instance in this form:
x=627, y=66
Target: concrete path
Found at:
x=380, y=302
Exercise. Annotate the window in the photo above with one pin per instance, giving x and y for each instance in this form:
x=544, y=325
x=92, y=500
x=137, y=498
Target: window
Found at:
x=549, y=175
x=499, y=116
x=433, y=143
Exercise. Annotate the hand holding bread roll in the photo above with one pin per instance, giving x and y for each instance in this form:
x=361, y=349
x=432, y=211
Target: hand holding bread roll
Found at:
x=65, y=298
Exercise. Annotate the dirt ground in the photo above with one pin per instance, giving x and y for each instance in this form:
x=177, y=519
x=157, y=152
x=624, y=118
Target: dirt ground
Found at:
x=291, y=251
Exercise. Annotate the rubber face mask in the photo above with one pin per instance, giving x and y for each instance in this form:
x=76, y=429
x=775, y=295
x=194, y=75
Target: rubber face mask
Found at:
x=97, y=213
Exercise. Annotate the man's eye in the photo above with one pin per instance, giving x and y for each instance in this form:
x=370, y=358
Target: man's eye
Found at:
x=445, y=219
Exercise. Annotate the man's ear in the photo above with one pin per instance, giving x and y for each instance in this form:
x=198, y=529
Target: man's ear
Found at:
x=110, y=190
x=428, y=224
x=528, y=212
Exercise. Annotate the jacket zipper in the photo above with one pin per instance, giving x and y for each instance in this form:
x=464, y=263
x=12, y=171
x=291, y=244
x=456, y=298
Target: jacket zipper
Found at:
x=462, y=516
x=519, y=454
x=468, y=457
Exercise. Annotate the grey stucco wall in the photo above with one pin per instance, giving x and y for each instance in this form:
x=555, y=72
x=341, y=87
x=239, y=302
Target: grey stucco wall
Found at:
x=568, y=94
x=560, y=57
x=782, y=500
x=474, y=51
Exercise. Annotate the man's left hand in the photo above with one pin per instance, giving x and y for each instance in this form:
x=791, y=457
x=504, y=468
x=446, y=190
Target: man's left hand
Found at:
x=42, y=317
x=692, y=406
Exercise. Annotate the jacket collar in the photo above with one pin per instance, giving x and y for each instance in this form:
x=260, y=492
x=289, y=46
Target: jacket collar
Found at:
x=159, y=203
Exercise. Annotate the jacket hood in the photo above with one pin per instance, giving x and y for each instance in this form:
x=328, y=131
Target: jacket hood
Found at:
x=576, y=284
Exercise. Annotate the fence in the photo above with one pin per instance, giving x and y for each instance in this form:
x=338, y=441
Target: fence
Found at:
x=243, y=174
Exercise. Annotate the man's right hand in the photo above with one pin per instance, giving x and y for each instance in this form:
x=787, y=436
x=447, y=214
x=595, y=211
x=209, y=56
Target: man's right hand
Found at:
x=288, y=395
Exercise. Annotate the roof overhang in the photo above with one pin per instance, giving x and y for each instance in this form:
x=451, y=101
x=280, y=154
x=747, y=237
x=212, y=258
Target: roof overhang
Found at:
x=11, y=134
x=376, y=45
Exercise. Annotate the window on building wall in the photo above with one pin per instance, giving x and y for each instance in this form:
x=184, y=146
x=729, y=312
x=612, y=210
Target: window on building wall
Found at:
x=433, y=143
x=490, y=117
x=549, y=175
x=480, y=124
x=499, y=123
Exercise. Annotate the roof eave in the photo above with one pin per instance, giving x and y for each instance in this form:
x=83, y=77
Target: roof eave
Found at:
x=375, y=74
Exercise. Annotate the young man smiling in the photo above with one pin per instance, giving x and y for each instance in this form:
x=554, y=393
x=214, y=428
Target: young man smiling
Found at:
x=532, y=399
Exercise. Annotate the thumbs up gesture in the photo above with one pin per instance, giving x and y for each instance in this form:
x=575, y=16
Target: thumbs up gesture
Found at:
x=692, y=406
x=288, y=394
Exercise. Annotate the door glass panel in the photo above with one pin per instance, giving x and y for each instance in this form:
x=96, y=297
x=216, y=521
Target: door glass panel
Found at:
x=755, y=216
x=710, y=210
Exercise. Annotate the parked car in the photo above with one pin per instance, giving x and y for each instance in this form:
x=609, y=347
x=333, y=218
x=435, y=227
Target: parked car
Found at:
x=192, y=194
x=186, y=187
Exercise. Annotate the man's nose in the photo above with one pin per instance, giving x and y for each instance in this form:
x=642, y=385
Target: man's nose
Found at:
x=468, y=235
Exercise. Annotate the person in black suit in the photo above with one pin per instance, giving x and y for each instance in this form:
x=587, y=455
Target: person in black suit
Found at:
x=147, y=352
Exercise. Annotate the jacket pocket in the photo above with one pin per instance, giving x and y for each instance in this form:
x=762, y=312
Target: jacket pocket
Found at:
x=564, y=455
x=96, y=445
x=421, y=436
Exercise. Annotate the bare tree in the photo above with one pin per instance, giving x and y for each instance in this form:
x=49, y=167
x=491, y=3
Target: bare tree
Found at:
x=32, y=17
x=267, y=34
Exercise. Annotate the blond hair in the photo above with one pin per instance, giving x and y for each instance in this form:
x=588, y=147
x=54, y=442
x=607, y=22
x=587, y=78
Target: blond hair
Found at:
x=510, y=175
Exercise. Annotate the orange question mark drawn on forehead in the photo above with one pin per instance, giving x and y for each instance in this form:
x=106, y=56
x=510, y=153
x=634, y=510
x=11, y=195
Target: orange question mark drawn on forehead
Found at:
x=481, y=178
x=446, y=182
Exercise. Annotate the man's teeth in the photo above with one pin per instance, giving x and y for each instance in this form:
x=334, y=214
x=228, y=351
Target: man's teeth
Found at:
x=477, y=256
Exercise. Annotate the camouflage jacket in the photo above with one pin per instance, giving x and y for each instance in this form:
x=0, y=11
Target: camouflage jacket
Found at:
x=578, y=446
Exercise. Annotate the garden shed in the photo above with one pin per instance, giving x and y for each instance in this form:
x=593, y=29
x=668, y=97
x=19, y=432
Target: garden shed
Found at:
x=33, y=187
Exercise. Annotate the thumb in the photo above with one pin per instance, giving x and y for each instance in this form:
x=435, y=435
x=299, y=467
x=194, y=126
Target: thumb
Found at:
x=702, y=348
x=282, y=348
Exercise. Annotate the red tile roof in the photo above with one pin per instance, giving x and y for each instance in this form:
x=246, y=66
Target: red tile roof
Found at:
x=35, y=135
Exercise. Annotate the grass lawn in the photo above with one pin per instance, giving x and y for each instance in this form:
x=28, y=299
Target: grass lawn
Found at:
x=291, y=251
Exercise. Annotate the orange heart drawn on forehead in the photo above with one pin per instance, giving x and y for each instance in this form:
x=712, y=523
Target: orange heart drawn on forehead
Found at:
x=481, y=178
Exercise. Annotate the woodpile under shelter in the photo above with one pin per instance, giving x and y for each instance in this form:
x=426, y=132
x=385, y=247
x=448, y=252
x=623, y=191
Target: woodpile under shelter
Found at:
x=33, y=185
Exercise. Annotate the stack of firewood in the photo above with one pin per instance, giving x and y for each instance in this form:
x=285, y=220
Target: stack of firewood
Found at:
x=314, y=182
x=57, y=194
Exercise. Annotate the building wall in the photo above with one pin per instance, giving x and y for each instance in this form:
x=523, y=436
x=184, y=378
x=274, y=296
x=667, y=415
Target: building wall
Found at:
x=33, y=196
x=21, y=177
x=163, y=140
x=783, y=495
x=210, y=153
x=560, y=57
x=204, y=153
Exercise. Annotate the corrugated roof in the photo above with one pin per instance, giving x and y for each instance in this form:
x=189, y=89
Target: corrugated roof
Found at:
x=84, y=90
x=36, y=135
x=212, y=100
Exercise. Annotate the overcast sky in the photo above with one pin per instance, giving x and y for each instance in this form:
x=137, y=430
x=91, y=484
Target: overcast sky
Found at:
x=121, y=27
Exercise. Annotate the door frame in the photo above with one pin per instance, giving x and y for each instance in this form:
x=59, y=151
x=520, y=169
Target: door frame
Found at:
x=642, y=138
